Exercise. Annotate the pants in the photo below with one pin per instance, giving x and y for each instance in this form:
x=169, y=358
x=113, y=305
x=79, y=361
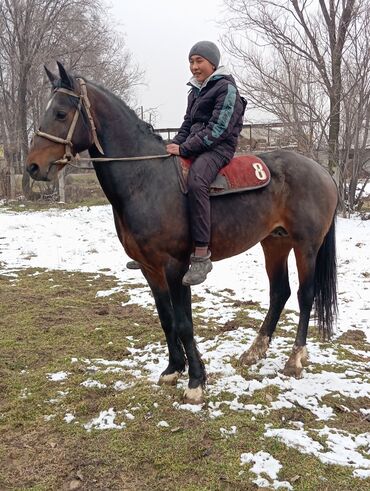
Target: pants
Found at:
x=203, y=172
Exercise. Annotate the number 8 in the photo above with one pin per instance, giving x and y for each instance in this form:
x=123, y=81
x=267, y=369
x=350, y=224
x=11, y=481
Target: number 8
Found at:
x=260, y=173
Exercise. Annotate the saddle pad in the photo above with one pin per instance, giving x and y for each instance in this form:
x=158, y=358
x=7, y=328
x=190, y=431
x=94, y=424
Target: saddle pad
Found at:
x=242, y=173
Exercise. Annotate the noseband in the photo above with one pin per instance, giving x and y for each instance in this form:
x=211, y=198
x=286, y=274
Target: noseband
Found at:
x=83, y=101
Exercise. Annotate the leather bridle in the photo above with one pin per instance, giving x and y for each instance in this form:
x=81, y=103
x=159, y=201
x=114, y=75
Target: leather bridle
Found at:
x=69, y=157
x=83, y=101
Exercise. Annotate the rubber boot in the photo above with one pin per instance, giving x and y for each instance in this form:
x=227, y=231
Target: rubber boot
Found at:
x=200, y=266
x=133, y=265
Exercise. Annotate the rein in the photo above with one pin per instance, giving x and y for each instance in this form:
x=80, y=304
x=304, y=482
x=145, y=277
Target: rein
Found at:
x=76, y=158
x=68, y=157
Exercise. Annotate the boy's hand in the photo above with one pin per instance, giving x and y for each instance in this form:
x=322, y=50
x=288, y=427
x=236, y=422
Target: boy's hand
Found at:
x=173, y=149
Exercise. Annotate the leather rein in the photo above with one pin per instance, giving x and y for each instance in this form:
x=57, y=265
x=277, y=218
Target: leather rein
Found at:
x=68, y=157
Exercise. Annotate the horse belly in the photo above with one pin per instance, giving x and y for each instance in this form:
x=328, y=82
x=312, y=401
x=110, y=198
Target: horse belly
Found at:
x=240, y=221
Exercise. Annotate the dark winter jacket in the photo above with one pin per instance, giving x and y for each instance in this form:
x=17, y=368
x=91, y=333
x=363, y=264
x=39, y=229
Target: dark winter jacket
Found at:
x=214, y=117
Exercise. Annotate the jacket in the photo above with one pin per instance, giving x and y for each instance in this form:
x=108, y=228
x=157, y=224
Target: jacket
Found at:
x=214, y=117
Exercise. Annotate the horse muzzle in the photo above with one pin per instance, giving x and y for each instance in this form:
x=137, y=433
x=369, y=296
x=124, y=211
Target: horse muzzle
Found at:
x=37, y=173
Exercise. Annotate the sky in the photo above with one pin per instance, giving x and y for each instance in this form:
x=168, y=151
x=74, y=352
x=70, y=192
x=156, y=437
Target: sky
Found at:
x=159, y=34
x=84, y=239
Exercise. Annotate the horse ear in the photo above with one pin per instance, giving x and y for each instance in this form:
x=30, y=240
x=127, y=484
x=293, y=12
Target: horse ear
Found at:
x=67, y=80
x=50, y=75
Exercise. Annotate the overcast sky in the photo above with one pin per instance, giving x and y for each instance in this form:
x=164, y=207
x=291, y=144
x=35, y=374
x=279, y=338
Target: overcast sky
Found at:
x=159, y=34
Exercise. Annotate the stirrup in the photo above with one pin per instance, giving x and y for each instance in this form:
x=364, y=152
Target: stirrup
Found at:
x=133, y=265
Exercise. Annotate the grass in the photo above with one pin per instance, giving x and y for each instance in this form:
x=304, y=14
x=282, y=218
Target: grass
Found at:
x=26, y=206
x=60, y=325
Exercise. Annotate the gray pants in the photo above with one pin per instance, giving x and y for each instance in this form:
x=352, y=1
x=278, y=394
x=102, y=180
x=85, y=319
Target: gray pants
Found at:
x=203, y=172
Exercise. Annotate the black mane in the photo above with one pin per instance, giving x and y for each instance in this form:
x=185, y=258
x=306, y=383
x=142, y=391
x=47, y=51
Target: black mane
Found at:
x=143, y=126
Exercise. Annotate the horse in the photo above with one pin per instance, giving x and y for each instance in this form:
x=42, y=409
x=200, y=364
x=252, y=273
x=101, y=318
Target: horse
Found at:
x=296, y=211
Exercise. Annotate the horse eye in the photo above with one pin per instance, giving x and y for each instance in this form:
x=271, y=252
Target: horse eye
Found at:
x=61, y=114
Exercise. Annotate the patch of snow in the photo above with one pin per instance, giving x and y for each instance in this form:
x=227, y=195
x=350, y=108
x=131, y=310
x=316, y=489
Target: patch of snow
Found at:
x=265, y=463
x=58, y=376
x=69, y=417
x=93, y=384
x=230, y=432
x=342, y=445
x=193, y=408
x=105, y=421
x=163, y=424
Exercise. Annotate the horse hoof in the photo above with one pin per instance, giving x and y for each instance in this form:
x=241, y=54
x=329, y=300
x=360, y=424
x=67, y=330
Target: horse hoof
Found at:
x=297, y=360
x=292, y=371
x=193, y=396
x=169, y=379
x=248, y=359
x=256, y=352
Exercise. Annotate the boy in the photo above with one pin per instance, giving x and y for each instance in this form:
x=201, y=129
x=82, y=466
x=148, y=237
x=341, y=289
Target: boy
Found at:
x=208, y=135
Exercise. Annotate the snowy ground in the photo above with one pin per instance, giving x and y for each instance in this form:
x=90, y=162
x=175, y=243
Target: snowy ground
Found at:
x=84, y=239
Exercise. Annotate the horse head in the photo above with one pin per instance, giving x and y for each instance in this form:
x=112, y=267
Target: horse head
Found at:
x=66, y=127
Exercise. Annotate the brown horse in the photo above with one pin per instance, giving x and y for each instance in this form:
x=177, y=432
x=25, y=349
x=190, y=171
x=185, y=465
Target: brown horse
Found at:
x=295, y=211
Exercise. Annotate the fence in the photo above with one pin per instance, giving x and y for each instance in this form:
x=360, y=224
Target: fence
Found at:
x=254, y=137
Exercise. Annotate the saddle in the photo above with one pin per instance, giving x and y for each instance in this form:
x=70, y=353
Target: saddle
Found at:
x=242, y=173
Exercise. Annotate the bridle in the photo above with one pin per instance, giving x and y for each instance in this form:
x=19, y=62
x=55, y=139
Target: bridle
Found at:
x=84, y=102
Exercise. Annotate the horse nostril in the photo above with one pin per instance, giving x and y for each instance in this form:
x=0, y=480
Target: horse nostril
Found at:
x=33, y=169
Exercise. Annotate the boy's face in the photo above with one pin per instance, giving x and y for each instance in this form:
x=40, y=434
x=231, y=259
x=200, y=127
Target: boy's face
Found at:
x=201, y=68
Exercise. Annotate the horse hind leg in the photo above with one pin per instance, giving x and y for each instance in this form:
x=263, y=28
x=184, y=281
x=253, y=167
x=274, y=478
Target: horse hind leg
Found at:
x=276, y=251
x=306, y=263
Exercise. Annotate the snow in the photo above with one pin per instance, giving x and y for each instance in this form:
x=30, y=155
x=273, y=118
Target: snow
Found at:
x=91, y=384
x=58, y=376
x=341, y=444
x=163, y=424
x=85, y=240
x=105, y=421
x=267, y=464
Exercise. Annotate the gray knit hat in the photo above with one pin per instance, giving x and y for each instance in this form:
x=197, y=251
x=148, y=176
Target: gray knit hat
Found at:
x=207, y=50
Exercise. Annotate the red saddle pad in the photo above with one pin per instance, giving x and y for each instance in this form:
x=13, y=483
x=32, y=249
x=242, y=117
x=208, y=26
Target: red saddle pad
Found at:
x=242, y=173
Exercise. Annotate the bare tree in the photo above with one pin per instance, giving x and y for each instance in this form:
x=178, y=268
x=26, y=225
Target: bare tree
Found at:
x=284, y=86
x=37, y=32
x=316, y=32
x=356, y=111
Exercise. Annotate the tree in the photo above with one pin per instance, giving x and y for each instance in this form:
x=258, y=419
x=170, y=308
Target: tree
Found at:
x=313, y=33
x=37, y=32
x=356, y=111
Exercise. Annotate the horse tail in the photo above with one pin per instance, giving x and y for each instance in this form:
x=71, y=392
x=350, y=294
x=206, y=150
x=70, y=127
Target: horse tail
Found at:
x=325, y=284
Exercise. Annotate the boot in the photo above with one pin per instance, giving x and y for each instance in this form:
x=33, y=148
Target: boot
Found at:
x=200, y=266
x=133, y=265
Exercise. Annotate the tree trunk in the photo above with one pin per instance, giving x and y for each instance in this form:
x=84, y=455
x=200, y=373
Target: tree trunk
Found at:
x=334, y=120
x=22, y=121
x=62, y=191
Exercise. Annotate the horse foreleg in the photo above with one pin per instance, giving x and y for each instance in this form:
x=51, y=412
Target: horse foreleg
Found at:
x=181, y=302
x=306, y=271
x=276, y=252
x=176, y=364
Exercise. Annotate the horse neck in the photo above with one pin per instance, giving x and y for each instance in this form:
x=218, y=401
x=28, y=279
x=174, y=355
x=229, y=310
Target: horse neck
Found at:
x=122, y=134
x=120, y=131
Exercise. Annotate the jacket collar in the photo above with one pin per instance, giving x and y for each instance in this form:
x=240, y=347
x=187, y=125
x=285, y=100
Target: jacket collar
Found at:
x=221, y=72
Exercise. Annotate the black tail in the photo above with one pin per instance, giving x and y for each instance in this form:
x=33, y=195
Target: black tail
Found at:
x=325, y=301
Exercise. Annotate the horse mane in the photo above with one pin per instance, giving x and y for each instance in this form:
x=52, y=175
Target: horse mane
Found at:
x=146, y=128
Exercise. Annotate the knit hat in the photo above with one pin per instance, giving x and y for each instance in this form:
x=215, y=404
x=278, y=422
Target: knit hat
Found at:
x=207, y=50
